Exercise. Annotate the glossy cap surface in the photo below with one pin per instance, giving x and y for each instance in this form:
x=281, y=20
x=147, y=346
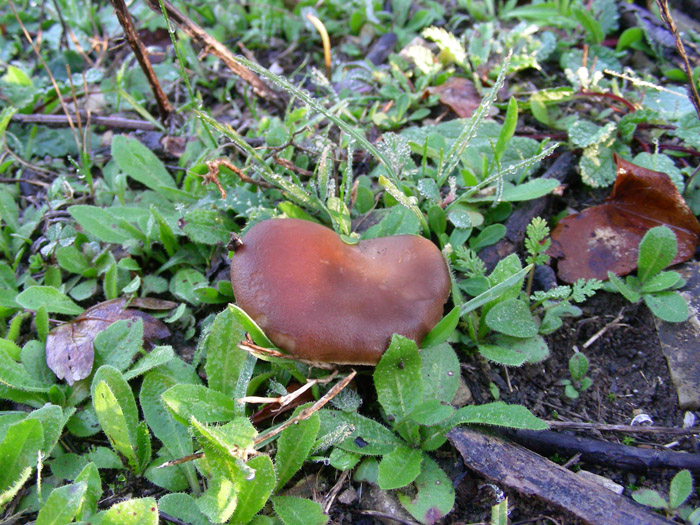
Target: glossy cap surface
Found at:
x=321, y=299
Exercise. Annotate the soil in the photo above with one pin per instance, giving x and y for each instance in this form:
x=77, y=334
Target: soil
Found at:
x=630, y=377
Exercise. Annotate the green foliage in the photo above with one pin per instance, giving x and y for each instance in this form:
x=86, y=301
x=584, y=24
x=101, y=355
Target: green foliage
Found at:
x=80, y=223
x=680, y=490
x=652, y=284
x=578, y=368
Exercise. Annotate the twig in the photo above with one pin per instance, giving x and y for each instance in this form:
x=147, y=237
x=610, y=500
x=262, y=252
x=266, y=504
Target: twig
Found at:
x=213, y=46
x=665, y=13
x=132, y=37
x=251, y=347
x=288, y=398
x=599, y=452
x=611, y=324
x=333, y=493
x=304, y=414
x=627, y=429
x=309, y=411
x=66, y=120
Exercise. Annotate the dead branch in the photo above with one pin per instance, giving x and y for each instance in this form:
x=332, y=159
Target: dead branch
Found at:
x=213, y=46
x=599, y=452
x=626, y=429
x=65, y=120
x=531, y=474
x=164, y=107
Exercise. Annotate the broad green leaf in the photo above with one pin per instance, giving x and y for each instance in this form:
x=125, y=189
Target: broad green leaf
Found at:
x=117, y=344
x=440, y=371
x=578, y=366
x=52, y=422
x=169, y=478
x=100, y=223
x=139, y=511
x=207, y=405
x=488, y=236
x=368, y=437
x=681, y=488
x=443, y=330
x=250, y=326
x=62, y=504
x=431, y=412
x=435, y=495
x=511, y=317
x=343, y=460
x=668, y=306
x=499, y=414
x=253, y=490
x=650, y=498
x=153, y=359
x=656, y=251
x=502, y=355
x=19, y=450
x=294, y=445
x=225, y=361
x=15, y=376
x=206, y=227
x=508, y=129
x=219, y=500
x=183, y=507
x=116, y=411
x=514, y=351
x=297, y=511
x=530, y=190
x=91, y=476
x=140, y=163
x=49, y=297
x=495, y=292
x=621, y=286
x=593, y=30
x=397, y=378
x=399, y=468
x=9, y=492
x=172, y=434
x=71, y=259
x=224, y=446
x=661, y=281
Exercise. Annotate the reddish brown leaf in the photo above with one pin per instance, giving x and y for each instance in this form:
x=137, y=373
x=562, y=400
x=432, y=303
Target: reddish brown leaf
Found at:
x=69, y=350
x=606, y=237
x=459, y=94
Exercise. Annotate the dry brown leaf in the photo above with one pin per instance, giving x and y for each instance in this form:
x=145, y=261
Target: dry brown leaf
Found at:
x=606, y=237
x=69, y=350
x=459, y=94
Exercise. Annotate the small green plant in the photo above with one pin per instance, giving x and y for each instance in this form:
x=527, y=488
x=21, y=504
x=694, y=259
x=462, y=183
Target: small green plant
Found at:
x=652, y=284
x=506, y=323
x=578, y=368
x=679, y=492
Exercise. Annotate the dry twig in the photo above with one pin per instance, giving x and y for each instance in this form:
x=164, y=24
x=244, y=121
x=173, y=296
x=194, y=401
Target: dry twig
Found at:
x=164, y=107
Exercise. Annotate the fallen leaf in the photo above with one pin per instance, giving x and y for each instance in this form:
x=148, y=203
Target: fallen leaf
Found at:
x=459, y=94
x=69, y=350
x=606, y=237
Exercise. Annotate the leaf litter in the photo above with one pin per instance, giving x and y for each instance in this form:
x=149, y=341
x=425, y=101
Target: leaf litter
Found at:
x=606, y=237
x=69, y=349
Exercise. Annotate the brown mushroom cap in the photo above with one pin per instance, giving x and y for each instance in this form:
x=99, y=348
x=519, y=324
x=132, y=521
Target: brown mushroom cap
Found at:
x=321, y=299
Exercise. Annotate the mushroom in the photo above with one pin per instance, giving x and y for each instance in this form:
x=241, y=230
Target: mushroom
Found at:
x=323, y=300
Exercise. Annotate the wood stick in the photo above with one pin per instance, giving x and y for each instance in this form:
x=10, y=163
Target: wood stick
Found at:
x=164, y=107
x=531, y=474
x=65, y=120
x=627, y=429
x=213, y=46
x=600, y=452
